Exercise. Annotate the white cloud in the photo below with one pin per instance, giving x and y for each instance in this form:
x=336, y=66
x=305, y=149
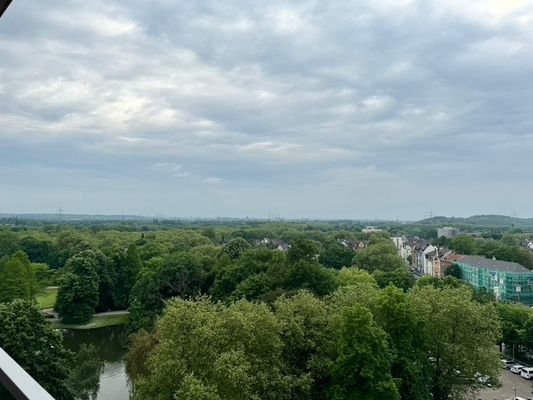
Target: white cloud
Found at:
x=283, y=97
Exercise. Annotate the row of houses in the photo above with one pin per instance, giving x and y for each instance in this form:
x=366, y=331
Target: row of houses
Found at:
x=509, y=281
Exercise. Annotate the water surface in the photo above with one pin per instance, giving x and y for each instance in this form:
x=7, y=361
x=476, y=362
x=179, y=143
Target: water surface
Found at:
x=110, y=348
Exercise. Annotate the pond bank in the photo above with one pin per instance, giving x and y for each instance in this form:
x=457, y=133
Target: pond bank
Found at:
x=99, y=320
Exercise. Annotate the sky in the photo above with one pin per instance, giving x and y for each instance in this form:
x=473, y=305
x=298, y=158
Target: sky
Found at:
x=303, y=109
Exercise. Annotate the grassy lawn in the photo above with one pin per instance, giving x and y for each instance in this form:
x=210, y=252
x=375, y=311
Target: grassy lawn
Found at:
x=95, y=322
x=47, y=298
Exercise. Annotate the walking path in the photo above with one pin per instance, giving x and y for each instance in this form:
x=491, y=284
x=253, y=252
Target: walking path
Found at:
x=99, y=320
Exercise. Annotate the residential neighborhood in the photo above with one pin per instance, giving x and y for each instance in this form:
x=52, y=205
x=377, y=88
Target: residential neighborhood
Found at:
x=508, y=281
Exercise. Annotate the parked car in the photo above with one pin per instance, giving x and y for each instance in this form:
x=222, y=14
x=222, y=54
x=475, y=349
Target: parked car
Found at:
x=515, y=369
x=506, y=363
x=527, y=373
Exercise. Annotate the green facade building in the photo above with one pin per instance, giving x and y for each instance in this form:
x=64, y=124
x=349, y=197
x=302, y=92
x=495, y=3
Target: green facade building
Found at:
x=510, y=282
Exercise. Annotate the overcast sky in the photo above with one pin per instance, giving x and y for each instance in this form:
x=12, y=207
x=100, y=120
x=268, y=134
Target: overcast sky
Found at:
x=307, y=108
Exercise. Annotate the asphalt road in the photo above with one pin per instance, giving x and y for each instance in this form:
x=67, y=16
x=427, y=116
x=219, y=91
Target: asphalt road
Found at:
x=524, y=388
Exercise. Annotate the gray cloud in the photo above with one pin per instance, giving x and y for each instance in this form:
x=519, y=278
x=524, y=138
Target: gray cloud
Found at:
x=327, y=109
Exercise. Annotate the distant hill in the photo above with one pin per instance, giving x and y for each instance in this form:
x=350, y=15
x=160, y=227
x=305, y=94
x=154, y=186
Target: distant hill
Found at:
x=481, y=221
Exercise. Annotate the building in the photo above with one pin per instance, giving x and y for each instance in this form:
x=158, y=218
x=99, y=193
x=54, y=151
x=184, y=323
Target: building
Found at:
x=447, y=259
x=447, y=232
x=404, y=249
x=425, y=259
x=371, y=229
x=510, y=282
x=354, y=245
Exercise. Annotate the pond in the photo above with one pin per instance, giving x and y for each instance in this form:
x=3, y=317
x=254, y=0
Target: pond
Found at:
x=101, y=354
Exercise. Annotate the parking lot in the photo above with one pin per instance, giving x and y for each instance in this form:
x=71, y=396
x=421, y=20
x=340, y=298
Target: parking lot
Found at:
x=524, y=388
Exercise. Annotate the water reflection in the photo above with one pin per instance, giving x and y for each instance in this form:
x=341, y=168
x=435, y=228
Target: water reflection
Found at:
x=100, y=354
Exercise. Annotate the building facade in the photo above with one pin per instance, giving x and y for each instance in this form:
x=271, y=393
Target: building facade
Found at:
x=510, y=282
x=447, y=232
x=404, y=249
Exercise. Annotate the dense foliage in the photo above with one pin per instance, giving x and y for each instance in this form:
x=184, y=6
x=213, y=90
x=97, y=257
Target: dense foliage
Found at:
x=30, y=340
x=360, y=342
x=226, y=310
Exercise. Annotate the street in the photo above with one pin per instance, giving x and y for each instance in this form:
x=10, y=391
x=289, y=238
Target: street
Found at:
x=509, y=381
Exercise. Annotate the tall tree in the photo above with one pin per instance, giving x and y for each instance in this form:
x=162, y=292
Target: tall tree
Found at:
x=302, y=250
x=382, y=256
x=309, y=343
x=410, y=366
x=362, y=369
x=401, y=278
x=312, y=276
x=335, y=255
x=18, y=278
x=215, y=352
x=178, y=275
x=127, y=266
x=460, y=335
x=32, y=342
x=77, y=296
x=235, y=248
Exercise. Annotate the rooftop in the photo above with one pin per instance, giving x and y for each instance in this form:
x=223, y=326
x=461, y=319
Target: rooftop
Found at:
x=497, y=265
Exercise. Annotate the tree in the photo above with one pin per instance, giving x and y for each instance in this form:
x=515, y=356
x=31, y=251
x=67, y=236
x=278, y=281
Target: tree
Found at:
x=401, y=278
x=362, y=368
x=214, y=352
x=32, y=342
x=382, y=256
x=17, y=278
x=335, y=255
x=9, y=243
x=410, y=365
x=236, y=279
x=252, y=287
x=455, y=271
x=77, y=296
x=483, y=295
x=460, y=335
x=513, y=319
x=446, y=282
x=355, y=276
x=309, y=343
x=235, y=248
x=39, y=251
x=464, y=245
x=177, y=275
x=302, y=250
x=311, y=276
x=127, y=266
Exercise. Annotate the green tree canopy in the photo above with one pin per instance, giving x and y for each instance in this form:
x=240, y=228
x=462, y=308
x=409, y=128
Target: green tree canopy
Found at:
x=78, y=291
x=382, y=256
x=362, y=368
x=215, y=352
x=302, y=250
x=460, y=335
x=18, y=279
x=335, y=255
x=32, y=342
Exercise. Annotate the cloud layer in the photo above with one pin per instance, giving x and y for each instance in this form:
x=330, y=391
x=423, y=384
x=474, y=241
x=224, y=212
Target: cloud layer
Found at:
x=342, y=109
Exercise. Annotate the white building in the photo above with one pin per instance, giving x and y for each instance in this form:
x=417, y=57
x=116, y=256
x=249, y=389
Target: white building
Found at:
x=404, y=250
x=371, y=229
